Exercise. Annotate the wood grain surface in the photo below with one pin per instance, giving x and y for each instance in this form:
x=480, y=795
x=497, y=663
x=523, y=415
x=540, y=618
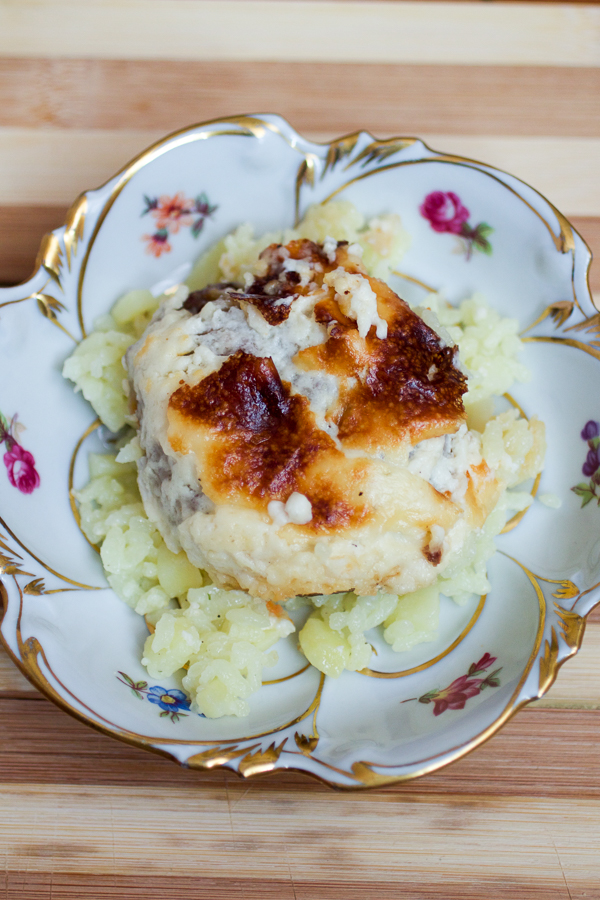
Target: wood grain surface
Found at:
x=84, y=87
x=309, y=30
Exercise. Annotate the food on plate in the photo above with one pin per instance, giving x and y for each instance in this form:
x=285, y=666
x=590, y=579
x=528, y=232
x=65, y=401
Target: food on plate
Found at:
x=300, y=431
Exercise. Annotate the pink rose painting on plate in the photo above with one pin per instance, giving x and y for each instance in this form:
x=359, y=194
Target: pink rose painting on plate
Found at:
x=446, y=213
x=19, y=462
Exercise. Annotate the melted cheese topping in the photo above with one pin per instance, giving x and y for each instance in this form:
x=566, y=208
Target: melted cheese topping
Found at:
x=255, y=442
x=403, y=387
x=293, y=402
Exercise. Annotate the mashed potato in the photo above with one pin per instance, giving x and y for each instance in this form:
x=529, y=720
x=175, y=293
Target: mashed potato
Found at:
x=274, y=458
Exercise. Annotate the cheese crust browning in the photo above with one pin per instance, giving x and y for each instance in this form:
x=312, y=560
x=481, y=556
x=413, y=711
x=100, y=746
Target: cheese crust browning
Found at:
x=283, y=421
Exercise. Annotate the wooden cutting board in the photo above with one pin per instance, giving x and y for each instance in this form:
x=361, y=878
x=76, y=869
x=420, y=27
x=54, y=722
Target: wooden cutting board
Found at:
x=85, y=86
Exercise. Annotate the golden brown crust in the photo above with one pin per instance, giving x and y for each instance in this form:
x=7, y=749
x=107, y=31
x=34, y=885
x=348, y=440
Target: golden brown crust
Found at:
x=403, y=386
x=256, y=442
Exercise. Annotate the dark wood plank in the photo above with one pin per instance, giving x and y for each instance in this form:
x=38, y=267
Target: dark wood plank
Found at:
x=542, y=753
x=315, y=97
x=22, y=228
x=21, y=231
x=27, y=885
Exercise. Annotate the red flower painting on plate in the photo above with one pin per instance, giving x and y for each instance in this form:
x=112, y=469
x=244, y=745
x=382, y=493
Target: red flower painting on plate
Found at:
x=19, y=462
x=446, y=213
x=462, y=689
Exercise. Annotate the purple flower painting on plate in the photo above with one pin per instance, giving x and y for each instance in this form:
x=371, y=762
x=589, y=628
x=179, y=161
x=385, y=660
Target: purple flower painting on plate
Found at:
x=462, y=689
x=590, y=490
x=19, y=462
x=446, y=213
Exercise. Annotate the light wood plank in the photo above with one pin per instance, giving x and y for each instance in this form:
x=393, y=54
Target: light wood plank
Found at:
x=563, y=169
x=578, y=682
x=399, y=99
x=492, y=34
x=51, y=166
x=318, y=838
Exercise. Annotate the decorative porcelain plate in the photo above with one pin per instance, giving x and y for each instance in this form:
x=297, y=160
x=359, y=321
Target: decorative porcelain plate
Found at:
x=473, y=228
